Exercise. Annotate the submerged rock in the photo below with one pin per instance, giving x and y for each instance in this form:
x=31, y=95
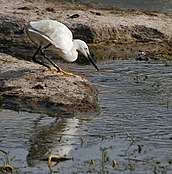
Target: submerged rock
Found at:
x=25, y=87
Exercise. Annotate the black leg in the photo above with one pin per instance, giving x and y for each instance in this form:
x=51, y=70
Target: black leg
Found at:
x=47, y=46
x=42, y=53
x=36, y=61
x=41, y=63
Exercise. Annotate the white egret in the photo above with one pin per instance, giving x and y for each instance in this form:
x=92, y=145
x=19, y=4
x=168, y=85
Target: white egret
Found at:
x=56, y=36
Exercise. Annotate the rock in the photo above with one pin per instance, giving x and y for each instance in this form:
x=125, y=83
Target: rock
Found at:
x=24, y=87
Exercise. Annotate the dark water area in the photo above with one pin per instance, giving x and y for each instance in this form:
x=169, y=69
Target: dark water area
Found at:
x=135, y=98
x=153, y=5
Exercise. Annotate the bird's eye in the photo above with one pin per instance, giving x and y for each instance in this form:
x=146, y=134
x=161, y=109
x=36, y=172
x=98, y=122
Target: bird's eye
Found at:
x=85, y=48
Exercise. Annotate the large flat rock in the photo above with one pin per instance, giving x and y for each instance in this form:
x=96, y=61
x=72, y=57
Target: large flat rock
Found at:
x=24, y=86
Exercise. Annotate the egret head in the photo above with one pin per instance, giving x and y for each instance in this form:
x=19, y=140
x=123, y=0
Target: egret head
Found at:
x=83, y=48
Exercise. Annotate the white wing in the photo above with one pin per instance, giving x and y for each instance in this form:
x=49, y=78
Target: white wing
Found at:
x=54, y=32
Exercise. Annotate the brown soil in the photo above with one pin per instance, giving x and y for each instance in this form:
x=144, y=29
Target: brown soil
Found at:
x=111, y=33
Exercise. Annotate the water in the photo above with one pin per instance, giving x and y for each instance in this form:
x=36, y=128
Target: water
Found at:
x=148, y=5
x=135, y=97
x=153, y=5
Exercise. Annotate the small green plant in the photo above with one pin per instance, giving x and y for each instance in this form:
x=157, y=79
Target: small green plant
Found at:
x=105, y=158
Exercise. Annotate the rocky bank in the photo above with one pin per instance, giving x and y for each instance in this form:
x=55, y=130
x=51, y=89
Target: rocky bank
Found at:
x=111, y=33
x=24, y=86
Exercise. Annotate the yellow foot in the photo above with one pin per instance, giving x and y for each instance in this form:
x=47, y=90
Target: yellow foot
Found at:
x=57, y=159
x=52, y=69
x=65, y=73
x=60, y=71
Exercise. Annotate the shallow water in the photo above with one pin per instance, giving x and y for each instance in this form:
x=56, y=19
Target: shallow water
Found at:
x=153, y=5
x=135, y=98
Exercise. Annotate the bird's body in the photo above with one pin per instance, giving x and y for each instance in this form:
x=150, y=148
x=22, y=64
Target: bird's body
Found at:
x=53, y=34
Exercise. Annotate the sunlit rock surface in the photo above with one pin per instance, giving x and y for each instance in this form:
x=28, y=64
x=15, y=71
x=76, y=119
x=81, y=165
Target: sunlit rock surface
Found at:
x=24, y=86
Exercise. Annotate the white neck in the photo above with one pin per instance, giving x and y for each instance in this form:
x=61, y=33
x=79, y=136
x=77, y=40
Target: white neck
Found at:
x=72, y=55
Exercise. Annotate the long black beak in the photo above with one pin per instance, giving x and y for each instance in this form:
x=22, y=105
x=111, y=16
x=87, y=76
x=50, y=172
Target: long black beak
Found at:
x=92, y=61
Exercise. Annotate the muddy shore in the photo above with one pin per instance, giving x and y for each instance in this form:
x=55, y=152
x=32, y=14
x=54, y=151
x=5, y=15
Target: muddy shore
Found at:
x=110, y=33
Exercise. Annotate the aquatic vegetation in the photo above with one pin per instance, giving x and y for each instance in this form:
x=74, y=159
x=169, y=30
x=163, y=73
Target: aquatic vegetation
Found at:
x=103, y=168
x=7, y=167
x=165, y=54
